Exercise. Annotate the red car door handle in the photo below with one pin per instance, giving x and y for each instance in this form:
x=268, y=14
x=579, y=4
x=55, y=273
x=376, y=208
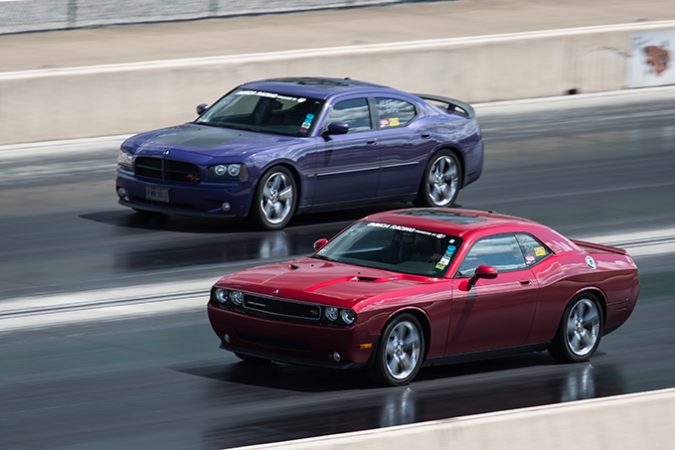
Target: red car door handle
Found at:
x=524, y=282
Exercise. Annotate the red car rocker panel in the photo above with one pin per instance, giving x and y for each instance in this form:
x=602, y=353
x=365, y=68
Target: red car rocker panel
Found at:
x=399, y=289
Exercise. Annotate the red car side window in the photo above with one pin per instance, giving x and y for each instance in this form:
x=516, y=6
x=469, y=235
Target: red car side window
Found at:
x=533, y=249
x=501, y=252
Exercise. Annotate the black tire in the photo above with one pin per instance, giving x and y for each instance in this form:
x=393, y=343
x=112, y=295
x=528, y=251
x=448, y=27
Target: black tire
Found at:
x=263, y=197
x=570, y=330
x=252, y=359
x=424, y=196
x=380, y=369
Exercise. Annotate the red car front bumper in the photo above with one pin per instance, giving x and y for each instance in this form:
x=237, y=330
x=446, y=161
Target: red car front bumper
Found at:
x=292, y=341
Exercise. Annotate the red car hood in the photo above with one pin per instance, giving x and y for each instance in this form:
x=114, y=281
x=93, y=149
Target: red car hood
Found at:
x=326, y=282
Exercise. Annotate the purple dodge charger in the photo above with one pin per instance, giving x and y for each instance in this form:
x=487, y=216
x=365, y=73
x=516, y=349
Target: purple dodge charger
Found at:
x=270, y=149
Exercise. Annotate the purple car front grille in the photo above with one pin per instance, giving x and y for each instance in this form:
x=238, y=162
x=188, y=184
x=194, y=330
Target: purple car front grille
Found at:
x=166, y=170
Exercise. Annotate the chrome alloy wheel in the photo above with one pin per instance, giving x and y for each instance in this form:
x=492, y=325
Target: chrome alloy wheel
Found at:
x=442, y=181
x=276, y=201
x=403, y=350
x=583, y=327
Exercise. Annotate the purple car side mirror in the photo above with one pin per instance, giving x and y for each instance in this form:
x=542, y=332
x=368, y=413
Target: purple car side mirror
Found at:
x=201, y=108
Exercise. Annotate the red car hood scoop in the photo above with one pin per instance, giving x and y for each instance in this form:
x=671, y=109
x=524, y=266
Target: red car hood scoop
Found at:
x=313, y=279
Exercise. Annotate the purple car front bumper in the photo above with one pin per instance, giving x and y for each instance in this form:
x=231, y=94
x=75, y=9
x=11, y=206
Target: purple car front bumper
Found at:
x=198, y=200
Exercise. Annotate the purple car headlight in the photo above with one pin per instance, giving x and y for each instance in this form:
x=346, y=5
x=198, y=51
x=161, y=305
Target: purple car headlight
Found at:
x=125, y=159
x=224, y=172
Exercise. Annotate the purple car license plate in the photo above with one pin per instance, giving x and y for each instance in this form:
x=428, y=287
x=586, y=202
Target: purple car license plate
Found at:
x=156, y=194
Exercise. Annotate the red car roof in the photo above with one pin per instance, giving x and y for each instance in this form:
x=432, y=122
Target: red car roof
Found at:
x=452, y=221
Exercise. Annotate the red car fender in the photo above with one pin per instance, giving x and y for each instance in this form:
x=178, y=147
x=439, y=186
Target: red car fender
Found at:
x=597, y=292
x=380, y=319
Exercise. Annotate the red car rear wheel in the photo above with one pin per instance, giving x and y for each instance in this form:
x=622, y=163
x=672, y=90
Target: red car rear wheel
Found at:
x=580, y=330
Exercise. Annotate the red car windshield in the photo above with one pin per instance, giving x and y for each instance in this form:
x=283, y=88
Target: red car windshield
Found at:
x=267, y=112
x=393, y=247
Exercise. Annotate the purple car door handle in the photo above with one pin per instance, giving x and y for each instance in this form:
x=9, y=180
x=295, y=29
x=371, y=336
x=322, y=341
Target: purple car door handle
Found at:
x=372, y=142
x=426, y=135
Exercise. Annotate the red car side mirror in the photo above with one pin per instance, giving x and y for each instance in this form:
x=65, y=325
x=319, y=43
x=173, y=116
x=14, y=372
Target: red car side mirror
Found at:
x=320, y=243
x=487, y=272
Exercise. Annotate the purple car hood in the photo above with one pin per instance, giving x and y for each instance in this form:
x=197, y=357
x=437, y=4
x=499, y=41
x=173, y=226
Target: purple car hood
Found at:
x=205, y=140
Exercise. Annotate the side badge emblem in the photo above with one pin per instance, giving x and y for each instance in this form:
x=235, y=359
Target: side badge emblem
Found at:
x=590, y=262
x=166, y=152
x=276, y=291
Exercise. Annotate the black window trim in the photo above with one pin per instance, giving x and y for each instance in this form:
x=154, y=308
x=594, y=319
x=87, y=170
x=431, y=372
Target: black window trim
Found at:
x=525, y=267
x=543, y=244
x=377, y=115
x=330, y=107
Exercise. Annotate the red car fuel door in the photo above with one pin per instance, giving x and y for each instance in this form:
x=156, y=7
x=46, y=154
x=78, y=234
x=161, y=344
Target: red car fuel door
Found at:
x=494, y=313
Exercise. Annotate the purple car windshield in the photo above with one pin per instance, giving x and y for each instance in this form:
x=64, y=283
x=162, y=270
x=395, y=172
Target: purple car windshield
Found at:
x=262, y=111
x=393, y=247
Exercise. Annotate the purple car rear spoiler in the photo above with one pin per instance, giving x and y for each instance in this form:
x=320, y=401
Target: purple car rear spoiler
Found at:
x=453, y=105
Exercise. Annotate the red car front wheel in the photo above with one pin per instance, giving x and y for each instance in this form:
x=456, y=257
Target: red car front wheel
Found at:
x=400, y=352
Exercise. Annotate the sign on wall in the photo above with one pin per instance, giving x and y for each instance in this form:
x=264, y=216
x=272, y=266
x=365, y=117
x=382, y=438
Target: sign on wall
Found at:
x=652, y=59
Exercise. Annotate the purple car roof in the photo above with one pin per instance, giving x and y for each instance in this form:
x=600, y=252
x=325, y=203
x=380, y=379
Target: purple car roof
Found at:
x=316, y=87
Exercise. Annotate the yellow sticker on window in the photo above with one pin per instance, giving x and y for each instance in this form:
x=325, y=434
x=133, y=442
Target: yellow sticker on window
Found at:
x=393, y=122
x=539, y=251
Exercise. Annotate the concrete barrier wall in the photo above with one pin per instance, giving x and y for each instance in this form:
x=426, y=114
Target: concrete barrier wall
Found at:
x=638, y=421
x=103, y=100
x=41, y=15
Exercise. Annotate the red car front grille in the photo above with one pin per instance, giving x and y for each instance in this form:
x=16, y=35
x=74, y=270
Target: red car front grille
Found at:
x=285, y=308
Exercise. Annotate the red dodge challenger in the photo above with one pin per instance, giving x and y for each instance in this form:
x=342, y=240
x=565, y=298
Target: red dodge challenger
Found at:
x=401, y=289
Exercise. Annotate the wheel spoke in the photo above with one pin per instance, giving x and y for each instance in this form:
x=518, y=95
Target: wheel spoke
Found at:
x=286, y=194
x=436, y=194
x=410, y=340
x=450, y=173
x=267, y=208
x=587, y=340
x=571, y=324
x=406, y=362
x=276, y=180
x=591, y=317
x=395, y=366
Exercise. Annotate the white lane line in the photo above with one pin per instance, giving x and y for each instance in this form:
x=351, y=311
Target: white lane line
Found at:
x=104, y=314
x=586, y=99
x=332, y=51
x=192, y=295
x=62, y=148
x=104, y=304
x=634, y=238
x=641, y=243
